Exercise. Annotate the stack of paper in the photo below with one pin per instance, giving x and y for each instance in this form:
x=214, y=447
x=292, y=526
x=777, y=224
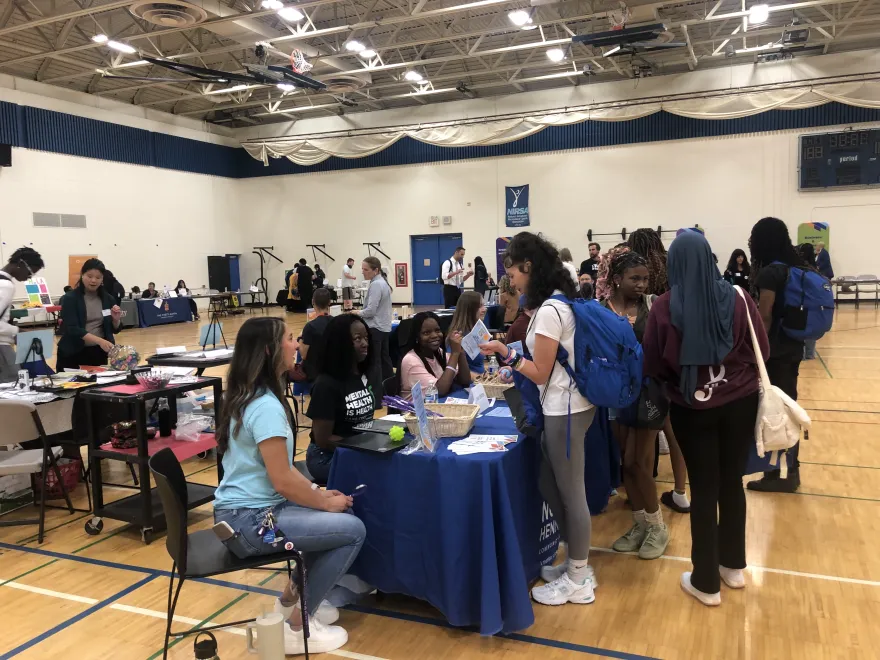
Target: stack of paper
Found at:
x=481, y=444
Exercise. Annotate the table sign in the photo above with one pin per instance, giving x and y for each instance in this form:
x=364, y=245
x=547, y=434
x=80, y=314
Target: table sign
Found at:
x=426, y=435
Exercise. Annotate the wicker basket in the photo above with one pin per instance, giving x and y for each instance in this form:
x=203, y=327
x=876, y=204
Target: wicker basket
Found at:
x=496, y=390
x=457, y=421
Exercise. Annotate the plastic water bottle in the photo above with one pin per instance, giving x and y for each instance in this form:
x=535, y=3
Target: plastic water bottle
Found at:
x=492, y=365
x=431, y=394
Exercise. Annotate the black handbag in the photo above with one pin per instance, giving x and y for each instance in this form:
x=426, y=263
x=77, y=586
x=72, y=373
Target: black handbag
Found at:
x=653, y=405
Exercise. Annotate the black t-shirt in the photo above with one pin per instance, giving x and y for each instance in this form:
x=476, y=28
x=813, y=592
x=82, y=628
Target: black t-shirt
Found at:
x=348, y=403
x=773, y=278
x=590, y=266
x=314, y=329
x=738, y=278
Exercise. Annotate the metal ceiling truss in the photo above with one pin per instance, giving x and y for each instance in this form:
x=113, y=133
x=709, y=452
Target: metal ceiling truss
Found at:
x=461, y=50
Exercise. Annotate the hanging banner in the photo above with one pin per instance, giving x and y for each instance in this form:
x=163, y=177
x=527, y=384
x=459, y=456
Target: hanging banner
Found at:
x=516, y=206
x=500, y=247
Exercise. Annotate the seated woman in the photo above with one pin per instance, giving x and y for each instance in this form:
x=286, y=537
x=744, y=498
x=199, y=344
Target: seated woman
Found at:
x=468, y=310
x=254, y=432
x=425, y=361
x=183, y=292
x=342, y=396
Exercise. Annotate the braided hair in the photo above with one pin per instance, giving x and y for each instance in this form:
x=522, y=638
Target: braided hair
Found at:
x=415, y=332
x=603, y=282
x=771, y=242
x=648, y=244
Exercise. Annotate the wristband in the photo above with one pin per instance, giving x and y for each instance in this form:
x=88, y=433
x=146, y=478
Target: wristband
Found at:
x=519, y=364
x=453, y=369
x=511, y=356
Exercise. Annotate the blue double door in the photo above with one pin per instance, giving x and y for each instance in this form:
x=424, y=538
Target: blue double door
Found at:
x=428, y=254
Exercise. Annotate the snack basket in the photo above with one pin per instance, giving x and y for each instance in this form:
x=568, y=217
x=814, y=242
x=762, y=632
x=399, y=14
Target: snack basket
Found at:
x=457, y=421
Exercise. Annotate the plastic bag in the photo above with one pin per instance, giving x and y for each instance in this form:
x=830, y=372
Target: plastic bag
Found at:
x=191, y=427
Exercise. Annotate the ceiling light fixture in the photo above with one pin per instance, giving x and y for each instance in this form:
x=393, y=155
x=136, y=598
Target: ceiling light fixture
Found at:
x=556, y=54
x=529, y=26
x=758, y=14
x=286, y=87
x=128, y=64
x=121, y=47
x=100, y=38
x=272, y=4
x=354, y=46
x=611, y=52
x=367, y=53
x=519, y=17
x=413, y=76
x=291, y=14
x=229, y=90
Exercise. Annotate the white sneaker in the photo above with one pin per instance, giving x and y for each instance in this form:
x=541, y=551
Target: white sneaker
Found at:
x=733, y=577
x=711, y=600
x=552, y=573
x=322, y=639
x=563, y=590
x=664, y=443
x=326, y=614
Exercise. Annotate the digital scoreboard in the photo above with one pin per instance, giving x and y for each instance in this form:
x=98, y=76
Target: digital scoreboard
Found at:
x=838, y=160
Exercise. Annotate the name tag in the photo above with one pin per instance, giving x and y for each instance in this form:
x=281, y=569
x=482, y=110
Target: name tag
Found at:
x=105, y=312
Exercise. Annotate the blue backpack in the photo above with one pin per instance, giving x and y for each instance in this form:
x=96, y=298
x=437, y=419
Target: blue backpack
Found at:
x=608, y=369
x=809, y=304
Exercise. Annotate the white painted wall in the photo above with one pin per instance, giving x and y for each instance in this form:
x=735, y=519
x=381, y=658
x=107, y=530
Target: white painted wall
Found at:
x=724, y=184
x=144, y=223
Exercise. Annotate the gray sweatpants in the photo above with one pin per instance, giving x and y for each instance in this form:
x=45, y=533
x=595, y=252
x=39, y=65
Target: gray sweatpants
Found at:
x=561, y=479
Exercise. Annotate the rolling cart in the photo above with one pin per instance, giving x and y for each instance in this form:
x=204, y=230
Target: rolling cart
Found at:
x=144, y=509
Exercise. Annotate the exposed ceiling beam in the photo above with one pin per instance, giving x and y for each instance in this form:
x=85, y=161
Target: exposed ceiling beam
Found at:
x=46, y=20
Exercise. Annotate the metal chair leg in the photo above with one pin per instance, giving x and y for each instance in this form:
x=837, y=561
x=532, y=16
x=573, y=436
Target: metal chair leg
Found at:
x=172, y=605
x=301, y=566
x=42, y=502
x=133, y=474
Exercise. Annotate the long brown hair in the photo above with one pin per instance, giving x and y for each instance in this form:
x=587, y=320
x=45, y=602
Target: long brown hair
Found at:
x=467, y=311
x=256, y=364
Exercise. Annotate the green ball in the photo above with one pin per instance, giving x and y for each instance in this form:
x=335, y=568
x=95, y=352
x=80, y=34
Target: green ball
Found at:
x=396, y=433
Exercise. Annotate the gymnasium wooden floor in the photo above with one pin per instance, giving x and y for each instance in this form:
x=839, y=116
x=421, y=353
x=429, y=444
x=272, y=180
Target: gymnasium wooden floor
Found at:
x=813, y=583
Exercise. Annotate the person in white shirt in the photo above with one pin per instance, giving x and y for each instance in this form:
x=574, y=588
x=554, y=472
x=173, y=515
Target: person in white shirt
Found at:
x=348, y=281
x=567, y=263
x=534, y=267
x=454, y=276
x=24, y=263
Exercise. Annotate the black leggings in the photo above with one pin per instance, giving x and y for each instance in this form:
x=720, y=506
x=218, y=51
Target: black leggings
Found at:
x=783, y=373
x=715, y=443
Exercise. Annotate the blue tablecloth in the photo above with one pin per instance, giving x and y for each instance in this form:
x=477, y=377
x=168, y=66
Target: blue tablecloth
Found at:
x=173, y=310
x=465, y=533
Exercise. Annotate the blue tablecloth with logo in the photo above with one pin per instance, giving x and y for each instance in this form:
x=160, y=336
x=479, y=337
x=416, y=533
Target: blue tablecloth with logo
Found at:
x=173, y=310
x=465, y=533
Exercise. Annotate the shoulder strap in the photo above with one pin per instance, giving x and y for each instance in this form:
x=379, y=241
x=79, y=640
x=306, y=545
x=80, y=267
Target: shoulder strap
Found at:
x=649, y=300
x=756, y=347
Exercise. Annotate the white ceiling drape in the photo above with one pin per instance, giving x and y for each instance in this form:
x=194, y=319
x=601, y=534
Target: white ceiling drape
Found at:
x=313, y=150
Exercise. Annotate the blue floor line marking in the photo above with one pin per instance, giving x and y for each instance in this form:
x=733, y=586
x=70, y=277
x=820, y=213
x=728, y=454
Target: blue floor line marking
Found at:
x=153, y=573
x=74, y=619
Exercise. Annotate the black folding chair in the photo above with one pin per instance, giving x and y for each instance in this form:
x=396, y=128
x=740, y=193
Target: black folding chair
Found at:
x=201, y=554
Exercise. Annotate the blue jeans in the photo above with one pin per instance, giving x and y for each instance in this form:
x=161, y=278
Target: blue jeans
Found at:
x=319, y=461
x=810, y=349
x=329, y=542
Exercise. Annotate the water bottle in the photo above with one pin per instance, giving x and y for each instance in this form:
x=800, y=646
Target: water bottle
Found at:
x=164, y=418
x=431, y=394
x=492, y=365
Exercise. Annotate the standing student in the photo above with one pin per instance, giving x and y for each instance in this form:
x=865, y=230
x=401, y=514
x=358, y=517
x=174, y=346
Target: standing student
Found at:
x=305, y=286
x=255, y=434
x=772, y=256
x=313, y=332
x=114, y=287
x=697, y=341
x=738, y=269
x=425, y=360
x=24, y=263
x=585, y=287
x=453, y=276
x=591, y=265
x=184, y=292
x=567, y=259
x=808, y=253
x=469, y=309
x=89, y=318
x=823, y=261
x=535, y=268
x=649, y=536
x=648, y=244
x=348, y=281
x=482, y=279
x=377, y=313
x=342, y=396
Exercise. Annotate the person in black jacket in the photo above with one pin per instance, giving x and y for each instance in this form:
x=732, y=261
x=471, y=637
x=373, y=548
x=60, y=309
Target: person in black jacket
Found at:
x=738, y=269
x=114, y=287
x=482, y=279
x=89, y=317
x=304, y=283
x=150, y=291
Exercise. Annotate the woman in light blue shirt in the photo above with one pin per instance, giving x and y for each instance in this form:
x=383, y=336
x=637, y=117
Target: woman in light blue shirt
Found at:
x=267, y=502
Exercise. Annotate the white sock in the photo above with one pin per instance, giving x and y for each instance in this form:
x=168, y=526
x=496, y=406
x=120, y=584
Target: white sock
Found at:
x=639, y=516
x=578, y=570
x=655, y=518
x=681, y=499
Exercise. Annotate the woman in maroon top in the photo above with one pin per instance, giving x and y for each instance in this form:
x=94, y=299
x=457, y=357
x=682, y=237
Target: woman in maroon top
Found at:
x=698, y=341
